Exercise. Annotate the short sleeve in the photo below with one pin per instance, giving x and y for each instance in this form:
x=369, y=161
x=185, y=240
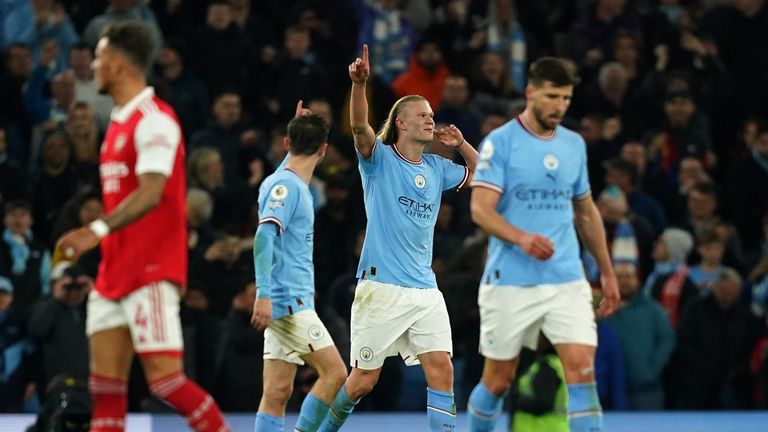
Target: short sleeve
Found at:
x=581, y=187
x=491, y=166
x=454, y=175
x=157, y=139
x=368, y=167
x=279, y=205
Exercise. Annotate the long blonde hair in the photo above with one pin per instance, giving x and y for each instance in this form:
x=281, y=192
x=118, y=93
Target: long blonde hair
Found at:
x=388, y=133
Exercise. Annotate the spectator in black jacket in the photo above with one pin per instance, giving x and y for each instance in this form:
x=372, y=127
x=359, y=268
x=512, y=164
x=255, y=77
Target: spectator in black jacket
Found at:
x=201, y=332
x=238, y=381
x=12, y=174
x=453, y=108
x=58, y=324
x=229, y=136
x=189, y=96
x=295, y=75
x=685, y=131
x=220, y=50
x=716, y=336
x=746, y=187
x=55, y=184
x=18, y=64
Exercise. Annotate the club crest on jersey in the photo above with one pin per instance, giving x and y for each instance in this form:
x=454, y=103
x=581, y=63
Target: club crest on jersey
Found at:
x=486, y=152
x=120, y=141
x=279, y=192
x=366, y=354
x=551, y=162
x=315, y=332
x=420, y=181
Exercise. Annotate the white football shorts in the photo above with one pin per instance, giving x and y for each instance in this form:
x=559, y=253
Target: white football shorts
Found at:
x=151, y=314
x=293, y=336
x=512, y=317
x=389, y=320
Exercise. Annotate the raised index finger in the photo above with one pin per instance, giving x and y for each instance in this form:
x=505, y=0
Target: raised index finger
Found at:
x=365, y=53
x=298, y=107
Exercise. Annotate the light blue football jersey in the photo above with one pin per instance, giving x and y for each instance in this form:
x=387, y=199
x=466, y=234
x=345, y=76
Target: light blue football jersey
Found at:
x=284, y=200
x=538, y=178
x=402, y=199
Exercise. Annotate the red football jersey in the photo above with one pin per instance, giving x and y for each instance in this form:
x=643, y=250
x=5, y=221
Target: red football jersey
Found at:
x=143, y=136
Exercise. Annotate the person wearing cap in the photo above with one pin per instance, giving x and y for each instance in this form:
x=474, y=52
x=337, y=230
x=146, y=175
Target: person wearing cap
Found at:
x=669, y=283
x=629, y=237
x=58, y=323
x=684, y=131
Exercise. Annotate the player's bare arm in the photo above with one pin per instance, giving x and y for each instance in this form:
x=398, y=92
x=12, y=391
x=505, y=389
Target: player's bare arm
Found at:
x=145, y=198
x=362, y=132
x=485, y=215
x=451, y=136
x=589, y=224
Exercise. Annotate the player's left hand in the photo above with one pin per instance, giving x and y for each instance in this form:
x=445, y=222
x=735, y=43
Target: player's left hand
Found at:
x=76, y=242
x=610, y=301
x=449, y=136
x=262, y=313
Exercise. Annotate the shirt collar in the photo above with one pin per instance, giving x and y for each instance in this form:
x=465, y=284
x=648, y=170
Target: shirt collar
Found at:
x=121, y=114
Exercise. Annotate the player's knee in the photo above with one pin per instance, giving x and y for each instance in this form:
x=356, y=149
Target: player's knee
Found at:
x=361, y=385
x=580, y=370
x=163, y=386
x=442, y=371
x=278, y=393
x=337, y=377
x=498, y=387
x=367, y=385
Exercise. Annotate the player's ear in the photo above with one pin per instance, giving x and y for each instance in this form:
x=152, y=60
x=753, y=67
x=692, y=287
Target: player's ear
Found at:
x=286, y=144
x=118, y=64
x=399, y=123
x=323, y=148
x=528, y=91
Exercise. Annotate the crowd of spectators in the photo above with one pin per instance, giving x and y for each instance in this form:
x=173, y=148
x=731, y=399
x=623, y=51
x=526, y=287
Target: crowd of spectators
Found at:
x=671, y=103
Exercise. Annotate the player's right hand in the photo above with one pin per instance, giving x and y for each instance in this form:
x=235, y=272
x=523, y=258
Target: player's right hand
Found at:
x=301, y=111
x=262, y=314
x=537, y=246
x=360, y=69
x=76, y=242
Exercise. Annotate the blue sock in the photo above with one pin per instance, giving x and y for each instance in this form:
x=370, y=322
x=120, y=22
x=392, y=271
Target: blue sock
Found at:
x=483, y=409
x=312, y=413
x=340, y=410
x=441, y=411
x=584, y=411
x=268, y=423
